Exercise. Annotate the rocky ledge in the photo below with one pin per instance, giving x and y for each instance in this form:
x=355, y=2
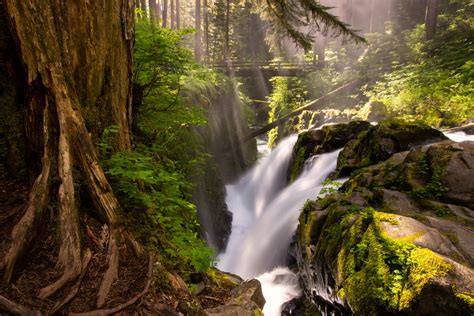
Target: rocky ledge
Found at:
x=398, y=236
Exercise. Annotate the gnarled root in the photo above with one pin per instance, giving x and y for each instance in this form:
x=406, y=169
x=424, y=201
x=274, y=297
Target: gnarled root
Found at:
x=70, y=251
x=111, y=311
x=75, y=288
x=15, y=309
x=25, y=230
x=112, y=270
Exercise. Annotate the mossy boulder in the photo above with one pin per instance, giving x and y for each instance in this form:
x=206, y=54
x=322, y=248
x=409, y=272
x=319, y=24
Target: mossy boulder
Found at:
x=373, y=263
x=246, y=300
x=380, y=142
x=398, y=237
x=319, y=141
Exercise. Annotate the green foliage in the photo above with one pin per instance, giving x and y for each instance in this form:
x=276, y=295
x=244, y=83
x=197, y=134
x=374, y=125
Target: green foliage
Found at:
x=152, y=181
x=329, y=186
x=428, y=81
x=287, y=95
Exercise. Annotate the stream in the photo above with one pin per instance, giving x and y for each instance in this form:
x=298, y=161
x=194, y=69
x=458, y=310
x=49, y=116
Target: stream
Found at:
x=265, y=217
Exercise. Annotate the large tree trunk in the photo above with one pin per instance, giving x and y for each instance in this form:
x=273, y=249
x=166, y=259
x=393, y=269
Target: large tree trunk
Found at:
x=178, y=14
x=431, y=18
x=165, y=13
x=154, y=13
x=172, y=15
x=197, y=35
x=206, y=30
x=78, y=72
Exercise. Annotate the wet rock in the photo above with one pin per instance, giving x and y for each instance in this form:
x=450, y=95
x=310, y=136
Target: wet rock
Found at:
x=299, y=306
x=398, y=238
x=320, y=141
x=246, y=300
x=380, y=142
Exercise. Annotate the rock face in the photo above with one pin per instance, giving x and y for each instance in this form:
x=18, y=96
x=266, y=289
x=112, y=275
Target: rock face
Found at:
x=382, y=141
x=246, y=300
x=320, y=141
x=398, y=237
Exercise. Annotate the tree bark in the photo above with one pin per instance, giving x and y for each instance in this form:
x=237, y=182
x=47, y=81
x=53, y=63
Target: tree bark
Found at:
x=144, y=8
x=78, y=72
x=178, y=14
x=206, y=30
x=172, y=15
x=227, y=33
x=165, y=13
x=197, y=35
x=154, y=14
x=431, y=18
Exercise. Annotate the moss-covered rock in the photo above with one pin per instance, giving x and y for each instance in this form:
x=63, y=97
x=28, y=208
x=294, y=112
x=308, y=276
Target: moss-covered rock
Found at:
x=363, y=265
x=319, y=141
x=246, y=300
x=397, y=238
x=382, y=141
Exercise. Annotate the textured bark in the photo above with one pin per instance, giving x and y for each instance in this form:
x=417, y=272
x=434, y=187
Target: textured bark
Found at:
x=165, y=13
x=197, y=35
x=96, y=61
x=172, y=15
x=154, y=14
x=24, y=232
x=206, y=29
x=78, y=67
x=431, y=19
x=15, y=309
x=178, y=14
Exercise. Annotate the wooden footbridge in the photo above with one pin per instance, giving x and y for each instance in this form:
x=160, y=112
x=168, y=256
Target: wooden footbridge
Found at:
x=265, y=69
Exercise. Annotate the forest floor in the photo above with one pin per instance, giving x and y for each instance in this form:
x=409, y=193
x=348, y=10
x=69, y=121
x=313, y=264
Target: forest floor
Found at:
x=38, y=268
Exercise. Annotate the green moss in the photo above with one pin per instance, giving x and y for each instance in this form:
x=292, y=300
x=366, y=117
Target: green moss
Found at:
x=378, y=274
x=298, y=163
x=468, y=298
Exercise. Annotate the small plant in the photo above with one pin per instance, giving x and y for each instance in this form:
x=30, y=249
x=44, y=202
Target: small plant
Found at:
x=329, y=186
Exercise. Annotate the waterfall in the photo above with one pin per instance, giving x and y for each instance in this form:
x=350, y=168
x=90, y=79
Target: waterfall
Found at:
x=459, y=136
x=265, y=217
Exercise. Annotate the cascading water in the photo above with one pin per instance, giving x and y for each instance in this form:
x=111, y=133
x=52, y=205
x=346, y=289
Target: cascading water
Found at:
x=265, y=217
x=459, y=136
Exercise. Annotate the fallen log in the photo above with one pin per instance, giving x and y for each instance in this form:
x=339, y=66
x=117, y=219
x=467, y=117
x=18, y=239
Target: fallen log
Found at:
x=296, y=112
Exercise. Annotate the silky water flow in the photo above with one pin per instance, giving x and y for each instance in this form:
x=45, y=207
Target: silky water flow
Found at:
x=265, y=216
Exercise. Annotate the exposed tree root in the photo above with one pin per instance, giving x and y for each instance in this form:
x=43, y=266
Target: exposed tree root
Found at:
x=25, y=230
x=15, y=309
x=73, y=138
x=75, y=288
x=111, y=311
x=69, y=258
x=112, y=270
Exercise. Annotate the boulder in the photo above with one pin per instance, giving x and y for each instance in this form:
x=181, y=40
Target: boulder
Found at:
x=320, y=141
x=246, y=300
x=380, y=142
x=398, y=237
